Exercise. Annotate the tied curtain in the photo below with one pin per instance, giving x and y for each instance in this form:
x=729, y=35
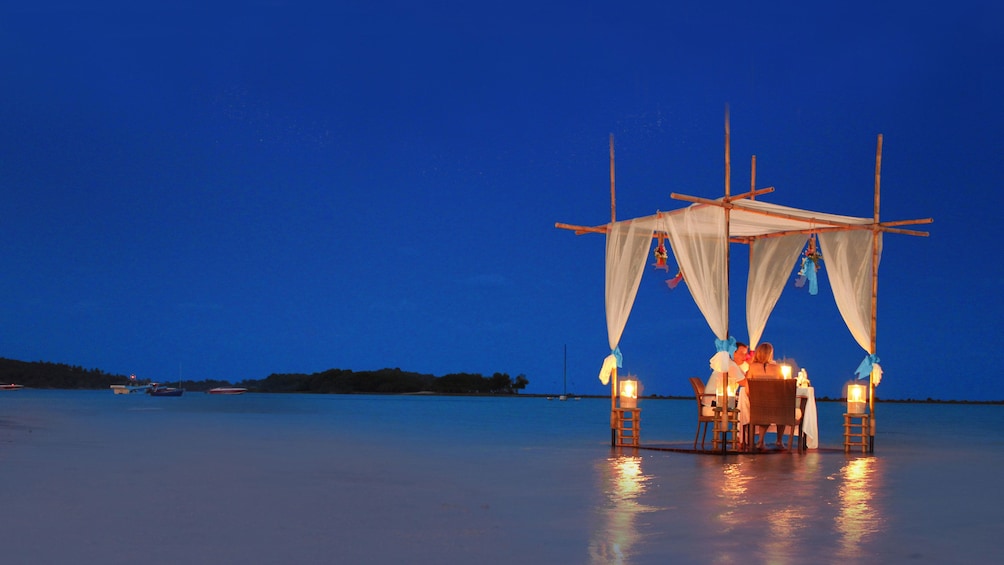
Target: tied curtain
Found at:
x=847, y=256
x=628, y=244
x=770, y=266
x=697, y=236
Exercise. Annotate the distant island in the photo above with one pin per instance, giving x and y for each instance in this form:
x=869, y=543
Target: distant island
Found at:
x=41, y=374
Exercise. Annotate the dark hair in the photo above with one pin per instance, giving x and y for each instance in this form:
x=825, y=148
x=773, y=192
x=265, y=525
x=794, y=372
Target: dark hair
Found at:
x=741, y=344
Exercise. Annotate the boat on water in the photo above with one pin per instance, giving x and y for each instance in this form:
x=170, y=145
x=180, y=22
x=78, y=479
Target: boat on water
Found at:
x=157, y=389
x=11, y=386
x=564, y=380
x=129, y=389
x=227, y=390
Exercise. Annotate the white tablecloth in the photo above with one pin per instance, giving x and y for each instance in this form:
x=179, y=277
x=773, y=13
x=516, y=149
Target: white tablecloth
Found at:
x=810, y=425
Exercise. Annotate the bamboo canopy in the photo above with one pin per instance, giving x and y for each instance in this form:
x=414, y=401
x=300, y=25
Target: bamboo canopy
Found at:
x=695, y=230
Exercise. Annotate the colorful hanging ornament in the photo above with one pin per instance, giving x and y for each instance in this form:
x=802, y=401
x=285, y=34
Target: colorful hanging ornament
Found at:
x=671, y=283
x=661, y=256
x=812, y=261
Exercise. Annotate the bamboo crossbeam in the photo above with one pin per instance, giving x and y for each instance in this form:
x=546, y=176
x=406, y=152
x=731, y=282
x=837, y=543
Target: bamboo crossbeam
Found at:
x=813, y=220
x=752, y=194
x=807, y=231
x=724, y=203
x=579, y=230
x=907, y=222
x=884, y=227
x=779, y=215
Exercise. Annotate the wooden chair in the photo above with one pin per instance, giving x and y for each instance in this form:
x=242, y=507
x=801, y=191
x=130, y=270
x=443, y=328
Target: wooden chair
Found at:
x=704, y=417
x=772, y=401
x=799, y=416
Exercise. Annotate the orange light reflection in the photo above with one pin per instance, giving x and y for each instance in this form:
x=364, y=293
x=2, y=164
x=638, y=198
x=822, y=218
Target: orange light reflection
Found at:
x=623, y=482
x=858, y=518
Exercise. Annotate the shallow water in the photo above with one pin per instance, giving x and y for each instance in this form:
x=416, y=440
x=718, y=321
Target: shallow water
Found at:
x=92, y=477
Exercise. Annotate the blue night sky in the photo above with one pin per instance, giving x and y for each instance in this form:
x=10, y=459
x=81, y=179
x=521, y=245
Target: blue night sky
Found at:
x=265, y=187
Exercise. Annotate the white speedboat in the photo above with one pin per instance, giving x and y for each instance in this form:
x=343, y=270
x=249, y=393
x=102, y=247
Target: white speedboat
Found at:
x=227, y=390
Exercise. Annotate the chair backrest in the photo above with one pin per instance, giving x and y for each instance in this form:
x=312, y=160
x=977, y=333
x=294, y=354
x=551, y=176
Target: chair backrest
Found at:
x=772, y=401
x=698, y=385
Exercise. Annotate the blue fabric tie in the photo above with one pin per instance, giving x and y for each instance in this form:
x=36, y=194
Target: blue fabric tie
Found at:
x=808, y=273
x=865, y=368
x=727, y=345
x=620, y=359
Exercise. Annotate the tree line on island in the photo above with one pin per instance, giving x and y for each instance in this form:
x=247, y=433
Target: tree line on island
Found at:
x=42, y=374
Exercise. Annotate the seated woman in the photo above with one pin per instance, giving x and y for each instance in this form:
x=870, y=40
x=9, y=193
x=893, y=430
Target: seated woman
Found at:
x=763, y=366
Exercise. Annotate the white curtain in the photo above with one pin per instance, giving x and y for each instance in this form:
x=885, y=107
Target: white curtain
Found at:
x=847, y=260
x=770, y=266
x=628, y=244
x=697, y=236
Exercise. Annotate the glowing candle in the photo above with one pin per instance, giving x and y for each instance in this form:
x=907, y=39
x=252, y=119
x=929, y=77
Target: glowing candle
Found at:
x=856, y=399
x=629, y=393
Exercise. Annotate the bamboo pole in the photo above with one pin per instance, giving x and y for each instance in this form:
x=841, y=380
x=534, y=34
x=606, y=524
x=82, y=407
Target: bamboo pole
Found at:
x=874, y=326
x=750, y=241
x=725, y=374
x=728, y=159
x=613, y=196
x=613, y=373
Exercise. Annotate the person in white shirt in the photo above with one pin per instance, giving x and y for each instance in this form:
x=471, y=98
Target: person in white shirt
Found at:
x=737, y=372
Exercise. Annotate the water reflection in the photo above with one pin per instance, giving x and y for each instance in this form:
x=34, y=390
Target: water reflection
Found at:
x=622, y=482
x=859, y=518
x=763, y=506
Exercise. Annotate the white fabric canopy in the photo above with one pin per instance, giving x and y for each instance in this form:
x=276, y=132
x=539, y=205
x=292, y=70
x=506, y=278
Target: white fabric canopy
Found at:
x=770, y=265
x=848, y=257
x=697, y=237
x=627, y=251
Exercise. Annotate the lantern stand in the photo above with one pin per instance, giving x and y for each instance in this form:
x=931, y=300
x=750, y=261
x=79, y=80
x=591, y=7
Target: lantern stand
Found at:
x=725, y=432
x=857, y=420
x=627, y=426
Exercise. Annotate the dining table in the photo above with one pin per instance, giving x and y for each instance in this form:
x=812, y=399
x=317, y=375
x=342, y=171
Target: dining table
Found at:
x=810, y=424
